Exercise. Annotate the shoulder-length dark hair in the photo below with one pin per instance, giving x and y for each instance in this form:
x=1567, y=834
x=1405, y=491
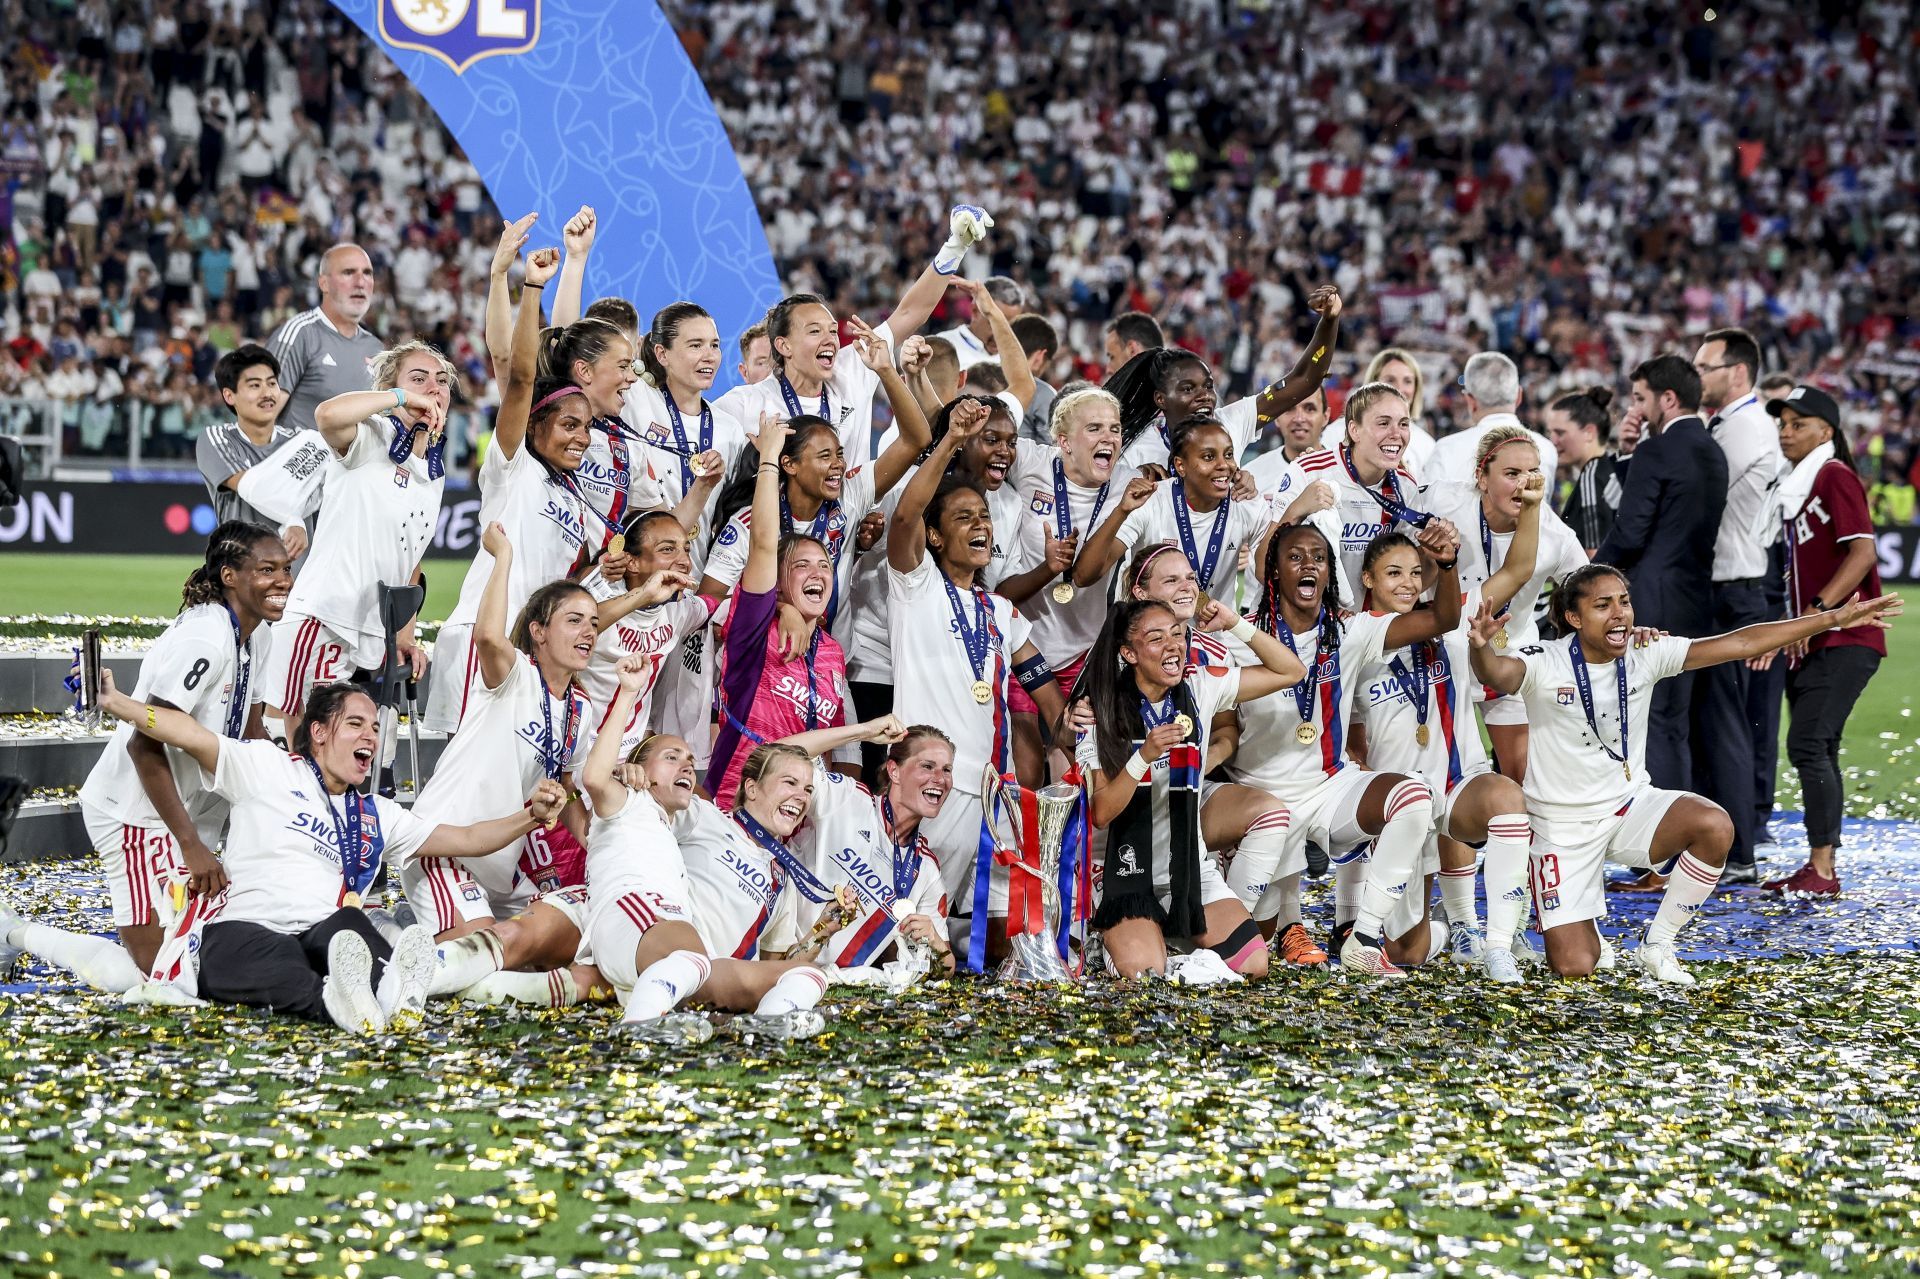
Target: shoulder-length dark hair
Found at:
x=1109, y=684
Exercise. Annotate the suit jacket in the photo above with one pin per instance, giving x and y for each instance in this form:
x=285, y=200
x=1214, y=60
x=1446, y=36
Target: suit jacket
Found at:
x=1663, y=535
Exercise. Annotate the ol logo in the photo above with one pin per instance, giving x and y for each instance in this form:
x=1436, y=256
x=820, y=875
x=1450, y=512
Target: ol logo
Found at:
x=461, y=32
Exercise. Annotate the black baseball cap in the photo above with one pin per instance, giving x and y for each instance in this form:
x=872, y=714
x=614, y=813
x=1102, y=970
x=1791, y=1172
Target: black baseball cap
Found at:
x=1808, y=401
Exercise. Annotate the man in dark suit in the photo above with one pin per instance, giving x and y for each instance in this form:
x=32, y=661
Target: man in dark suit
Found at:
x=1663, y=539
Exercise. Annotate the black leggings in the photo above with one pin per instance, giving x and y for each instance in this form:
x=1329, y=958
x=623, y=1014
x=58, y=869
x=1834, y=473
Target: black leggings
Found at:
x=1821, y=692
x=870, y=701
x=242, y=963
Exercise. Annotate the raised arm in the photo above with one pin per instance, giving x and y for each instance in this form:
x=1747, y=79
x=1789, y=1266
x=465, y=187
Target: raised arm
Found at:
x=1504, y=674
x=499, y=329
x=1765, y=637
x=516, y=394
x=1440, y=541
x=913, y=434
x=1279, y=666
x=1311, y=371
x=885, y=731
x=763, y=533
x=483, y=839
x=967, y=225
x=497, y=653
x=577, y=236
x=162, y=723
x=607, y=791
x=907, y=529
x=1524, y=554
x=1104, y=548
x=1013, y=356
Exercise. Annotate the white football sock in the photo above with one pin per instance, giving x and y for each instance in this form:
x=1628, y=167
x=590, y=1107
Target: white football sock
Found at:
x=797, y=988
x=1509, y=844
x=1349, y=878
x=1456, y=895
x=1689, y=884
x=465, y=961
x=1253, y=868
x=666, y=982
x=1286, y=893
x=1396, y=855
x=102, y=964
x=555, y=989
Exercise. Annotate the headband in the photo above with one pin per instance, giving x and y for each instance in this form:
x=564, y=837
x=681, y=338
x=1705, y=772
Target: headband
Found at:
x=560, y=394
x=1141, y=572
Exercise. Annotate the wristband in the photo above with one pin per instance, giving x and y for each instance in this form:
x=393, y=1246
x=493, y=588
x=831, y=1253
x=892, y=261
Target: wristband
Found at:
x=1243, y=630
x=399, y=398
x=1445, y=566
x=531, y=285
x=1138, y=768
x=1817, y=604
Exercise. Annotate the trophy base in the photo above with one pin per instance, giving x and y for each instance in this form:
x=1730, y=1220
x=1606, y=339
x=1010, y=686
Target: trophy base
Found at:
x=1034, y=959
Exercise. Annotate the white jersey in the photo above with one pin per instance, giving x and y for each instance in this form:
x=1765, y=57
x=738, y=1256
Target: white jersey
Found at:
x=653, y=633
x=633, y=851
x=849, y=400
x=1271, y=756
x=546, y=520
x=1560, y=552
x=1241, y=418
x=1214, y=690
x=1062, y=632
x=1570, y=774
x=498, y=756
x=1453, y=454
x=667, y=451
x=839, y=529
x=1416, y=460
x=376, y=522
x=933, y=675
x=196, y=666
x=846, y=840
x=740, y=897
x=971, y=349
x=283, y=850
x=1157, y=521
x=1357, y=516
x=1388, y=684
x=613, y=479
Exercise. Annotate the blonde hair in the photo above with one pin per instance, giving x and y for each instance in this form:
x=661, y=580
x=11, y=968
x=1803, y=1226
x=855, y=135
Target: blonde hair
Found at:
x=1417, y=405
x=385, y=367
x=766, y=755
x=1065, y=403
x=1361, y=398
x=1498, y=438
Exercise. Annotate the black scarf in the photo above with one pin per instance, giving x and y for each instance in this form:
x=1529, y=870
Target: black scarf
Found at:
x=1126, y=887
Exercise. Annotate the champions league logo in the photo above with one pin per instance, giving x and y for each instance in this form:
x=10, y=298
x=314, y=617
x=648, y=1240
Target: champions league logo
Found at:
x=461, y=32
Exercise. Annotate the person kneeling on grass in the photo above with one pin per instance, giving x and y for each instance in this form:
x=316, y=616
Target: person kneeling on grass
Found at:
x=303, y=845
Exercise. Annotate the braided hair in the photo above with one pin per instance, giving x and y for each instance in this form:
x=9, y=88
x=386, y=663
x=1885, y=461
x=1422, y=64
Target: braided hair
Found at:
x=228, y=547
x=1268, y=617
x=1139, y=382
x=736, y=494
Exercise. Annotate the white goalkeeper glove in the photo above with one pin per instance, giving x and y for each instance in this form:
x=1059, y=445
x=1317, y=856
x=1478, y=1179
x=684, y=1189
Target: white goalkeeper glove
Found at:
x=967, y=225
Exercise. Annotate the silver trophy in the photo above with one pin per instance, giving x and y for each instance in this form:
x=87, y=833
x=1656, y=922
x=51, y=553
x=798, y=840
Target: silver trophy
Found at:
x=1035, y=957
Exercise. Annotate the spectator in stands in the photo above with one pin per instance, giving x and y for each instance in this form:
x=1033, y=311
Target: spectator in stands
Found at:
x=1128, y=335
x=324, y=352
x=1775, y=386
x=1491, y=385
x=1662, y=539
x=1891, y=499
x=1041, y=341
x=1579, y=425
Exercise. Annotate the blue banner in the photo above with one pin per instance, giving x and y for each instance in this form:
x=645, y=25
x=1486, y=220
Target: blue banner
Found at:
x=560, y=103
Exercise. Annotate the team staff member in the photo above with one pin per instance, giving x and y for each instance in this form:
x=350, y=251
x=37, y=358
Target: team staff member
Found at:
x=324, y=352
x=1830, y=542
x=1491, y=384
x=1579, y=426
x=249, y=382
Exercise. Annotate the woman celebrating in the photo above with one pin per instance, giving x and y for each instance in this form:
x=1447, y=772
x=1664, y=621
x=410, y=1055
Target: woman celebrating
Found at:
x=956, y=651
x=1830, y=542
x=1371, y=489
x=1399, y=370
x=680, y=356
x=765, y=693
x=1294, y=749
x=288, y=934
x=1587, y=787
x=1418, y=701
x=150, y=814
x=614, y=478
x=524, y=723
x=1152, y=725
x=527, y=487
x=1504, y=463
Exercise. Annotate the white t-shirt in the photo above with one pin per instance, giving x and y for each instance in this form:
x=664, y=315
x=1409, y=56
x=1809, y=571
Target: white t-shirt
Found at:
x=739, y=895
x=655, y=633
x=729, y=557
x=1241, y=418
x=845, y=841
x=646, y=413
x=1453, y=748
x=632, y=850
x=933, y=676
x=1213, y=691
x=971, y=349
x=1560, y=552
x=1570, y=775
x=283, y=854
x=1356, y=516
x=1453, y=454
x=1157, y=521
x=498, y=756
x=193, y=667
x=850, y=393
x=1063, y=632
x=545, y=521
x=1271, y=757
x=376, y=523
x=614, y=478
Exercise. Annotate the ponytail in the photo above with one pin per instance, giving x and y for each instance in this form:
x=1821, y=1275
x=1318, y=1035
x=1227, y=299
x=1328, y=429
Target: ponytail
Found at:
x=665, y=332
x=1108, y=683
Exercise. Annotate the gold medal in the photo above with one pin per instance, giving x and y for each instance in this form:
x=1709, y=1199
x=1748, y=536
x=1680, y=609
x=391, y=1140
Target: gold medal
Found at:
x=1184, y=723
x=1305, y=734
x=697, y=464
x=177, y=893
x=982, y=691
x=617, y=544
x=1063, y=592
x=350, y=899
x=1500, y=639
x=1420, y=734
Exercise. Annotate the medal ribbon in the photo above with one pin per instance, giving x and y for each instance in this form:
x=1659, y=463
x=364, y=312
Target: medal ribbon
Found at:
x=1584, y=682
x=554, y=755
x=1183, y=520
x=1388, y=496
x=689, y=451
x=823, y=531
x=792, y=399
x=1063, y=511
x=811, y=886
x=1417, y=682
x=906, y=857
x=359, y=858
x=1486, y=556
x=616, y=432
x=1327, y=692
x=242, y=680
x=978, y=638
x=402, y=447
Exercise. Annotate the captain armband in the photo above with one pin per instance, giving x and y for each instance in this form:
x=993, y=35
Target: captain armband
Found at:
x=1033, y=674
